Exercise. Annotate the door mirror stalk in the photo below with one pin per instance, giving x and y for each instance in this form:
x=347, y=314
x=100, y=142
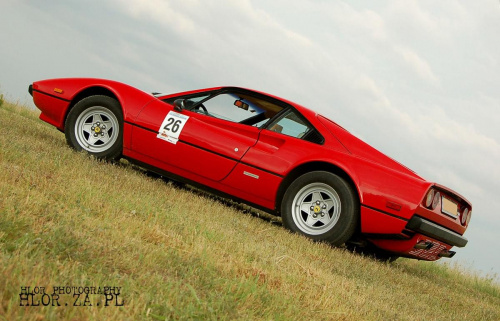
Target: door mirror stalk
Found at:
x=179, y=105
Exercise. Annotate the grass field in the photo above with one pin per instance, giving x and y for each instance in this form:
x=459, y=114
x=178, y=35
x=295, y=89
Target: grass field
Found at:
x=69, y=220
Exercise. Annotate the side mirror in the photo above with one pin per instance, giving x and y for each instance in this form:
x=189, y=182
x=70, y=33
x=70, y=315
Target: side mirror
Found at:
x=179, y=104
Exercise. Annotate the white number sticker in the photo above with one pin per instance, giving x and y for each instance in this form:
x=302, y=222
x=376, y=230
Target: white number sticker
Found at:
x=172, y=126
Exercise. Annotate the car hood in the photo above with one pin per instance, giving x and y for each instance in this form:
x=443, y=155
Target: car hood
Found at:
x=360, y=149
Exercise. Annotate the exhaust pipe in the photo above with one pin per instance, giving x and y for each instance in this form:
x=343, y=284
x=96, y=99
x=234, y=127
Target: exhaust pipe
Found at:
x=423, y=245
x=446, y=253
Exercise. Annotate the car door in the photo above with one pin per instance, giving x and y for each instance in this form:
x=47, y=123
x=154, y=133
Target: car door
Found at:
x=207, y=141
x=286, y=141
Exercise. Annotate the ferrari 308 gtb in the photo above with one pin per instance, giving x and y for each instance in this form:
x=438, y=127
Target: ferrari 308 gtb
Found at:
x=268, y=152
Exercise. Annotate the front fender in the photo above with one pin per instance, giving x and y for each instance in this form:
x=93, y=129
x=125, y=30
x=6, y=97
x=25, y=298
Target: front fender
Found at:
x=55, y=97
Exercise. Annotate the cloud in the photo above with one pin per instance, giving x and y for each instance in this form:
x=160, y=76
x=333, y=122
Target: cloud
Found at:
x=161, y=12
x=417, y=64
x=366, y=23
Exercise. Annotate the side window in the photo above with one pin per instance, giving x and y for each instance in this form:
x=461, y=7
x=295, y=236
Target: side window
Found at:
x=237, y=106
x=194, y=100
x=290, y=124
x=231, y=107
x=190, y=100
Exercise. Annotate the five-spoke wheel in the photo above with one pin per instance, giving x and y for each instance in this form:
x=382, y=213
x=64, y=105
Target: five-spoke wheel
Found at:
x=322, y=206
x=96, y=129
x=95, y=124
x=316, y=208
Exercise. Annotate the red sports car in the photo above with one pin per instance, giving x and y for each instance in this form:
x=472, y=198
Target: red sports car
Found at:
x=268, y=152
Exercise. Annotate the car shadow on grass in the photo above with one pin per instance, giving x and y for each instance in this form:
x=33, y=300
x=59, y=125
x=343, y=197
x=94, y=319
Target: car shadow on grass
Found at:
x=356, y=246
x=244, y=208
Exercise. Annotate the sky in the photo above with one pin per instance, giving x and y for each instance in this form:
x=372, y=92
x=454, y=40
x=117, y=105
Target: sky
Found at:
x=415, y=79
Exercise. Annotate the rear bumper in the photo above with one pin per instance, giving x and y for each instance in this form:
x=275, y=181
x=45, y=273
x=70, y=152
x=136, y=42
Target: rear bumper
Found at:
x=435, y=231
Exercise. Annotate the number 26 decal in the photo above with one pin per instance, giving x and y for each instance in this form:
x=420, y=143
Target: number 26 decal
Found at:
x=174, y=123
x=172, y=126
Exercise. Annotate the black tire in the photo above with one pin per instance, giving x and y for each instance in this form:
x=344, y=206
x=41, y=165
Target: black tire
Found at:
x=95, y=125
x=321, y=206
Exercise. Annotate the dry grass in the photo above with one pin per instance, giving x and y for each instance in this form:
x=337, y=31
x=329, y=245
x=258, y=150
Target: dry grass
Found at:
x=67, y=219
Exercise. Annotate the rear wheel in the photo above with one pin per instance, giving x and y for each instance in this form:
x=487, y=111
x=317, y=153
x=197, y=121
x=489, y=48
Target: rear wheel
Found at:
x=95, y=125
x=321, y=206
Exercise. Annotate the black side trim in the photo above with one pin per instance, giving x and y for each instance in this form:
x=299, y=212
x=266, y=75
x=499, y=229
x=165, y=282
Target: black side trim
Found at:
x=209, y=151
x=386, y=213
x=231, y=158
x=30, y=90
x=53, y=96
x=433, y=230
x=141, y=127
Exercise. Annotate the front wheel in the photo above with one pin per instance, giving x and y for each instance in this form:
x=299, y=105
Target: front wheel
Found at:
x=321, y=206
x=95, y=124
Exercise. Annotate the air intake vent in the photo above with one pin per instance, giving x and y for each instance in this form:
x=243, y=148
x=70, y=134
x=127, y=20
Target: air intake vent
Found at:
x=314, y=137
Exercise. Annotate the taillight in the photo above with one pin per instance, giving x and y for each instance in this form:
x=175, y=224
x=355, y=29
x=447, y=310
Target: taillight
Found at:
x=432, y=199
x=465, y=216
x=429, y=198
x=435, y=200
